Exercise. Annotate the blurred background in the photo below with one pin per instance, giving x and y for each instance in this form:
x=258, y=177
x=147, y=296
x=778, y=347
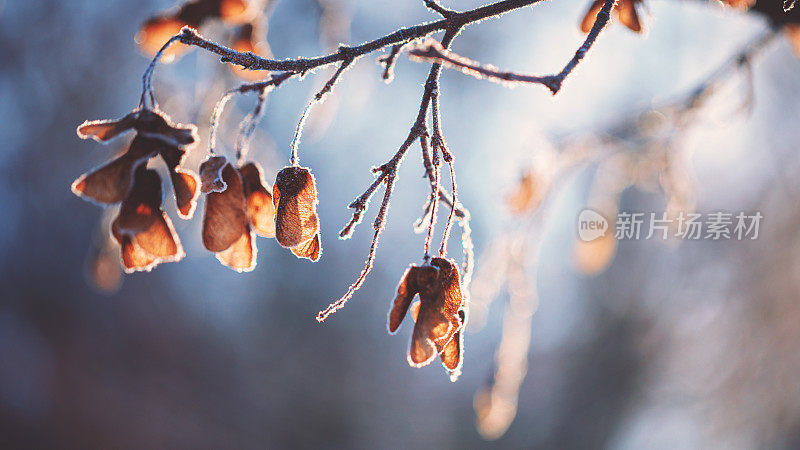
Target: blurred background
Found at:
x=635, y=344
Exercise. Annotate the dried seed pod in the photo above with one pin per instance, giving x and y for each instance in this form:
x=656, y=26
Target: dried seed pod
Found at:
x=103, y=269
x=439, y=317
x=792, y=32
x=156, y=31
x=593, y=257
x=236, y=12
x=225, y=219
x=145, y=234
x=156, y=134
x=111, y=182
x=258, y=199
x=211, y=175
x=310, y=249
x=184, y=181
x=528, y=194
x=149, y=123
x=296, y=223
x=739, y=4
x=241, y=256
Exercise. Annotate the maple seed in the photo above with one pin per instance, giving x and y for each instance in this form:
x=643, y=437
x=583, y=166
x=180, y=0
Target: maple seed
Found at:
x=156, y=134
x=296, y=223
x=111, y=182
x=258, y=199
x=145, y=233
x=150, y=123
x=225, y=220
x=439, y=315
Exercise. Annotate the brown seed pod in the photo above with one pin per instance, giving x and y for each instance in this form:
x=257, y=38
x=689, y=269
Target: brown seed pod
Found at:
x=145, y=234
x=296, y=223
x=148, y=123
x=439, y=317
x=225, y=219
x=156, y=31
x=185, y=182
x=111, y=182
x=258, y=199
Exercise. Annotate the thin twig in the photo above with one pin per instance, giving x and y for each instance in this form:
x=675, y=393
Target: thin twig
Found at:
x=433, y=5
x=434, y=203
x=147, y=77
x=432, y=51
x=389, y=61
x=360, y=205
x=390, y=169
x=274, y=81
x=212, y=135
x=249, y=124
x=318, y=98
x=742, y=58
x=449, y=225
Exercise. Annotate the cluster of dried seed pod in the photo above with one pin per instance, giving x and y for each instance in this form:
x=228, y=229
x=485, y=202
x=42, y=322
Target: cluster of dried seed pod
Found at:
x=238, y=205
x=145, y=233
x=440, y=314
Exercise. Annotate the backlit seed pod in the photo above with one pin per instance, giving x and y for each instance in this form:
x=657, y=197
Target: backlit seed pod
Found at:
x=258, y=200
x=625, y=10
x=241, y=256
x=236, y=12
x=439, y=315
x=225, y=220
x=296, y=223
x=211, y=175
x=226, y=230
x=155, y=134
x=156, y=31
x=528, y=194
x=739, y=4
x=145, y=234
x=150, y=123
x=310, y=249
x=184, y=181
x=793, y=34
x=111, y=182
x=103, y=270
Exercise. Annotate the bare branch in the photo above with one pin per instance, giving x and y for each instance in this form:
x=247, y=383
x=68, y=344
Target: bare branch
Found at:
x=388, y=62
x=251, y=61
x=432, y=51
x=449, y=225
x=433, y=5
x=390, y=171
x=318, y=98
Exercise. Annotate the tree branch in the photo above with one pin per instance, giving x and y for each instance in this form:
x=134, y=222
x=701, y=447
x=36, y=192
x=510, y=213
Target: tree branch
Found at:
x=432, y=51
x=249, y=60
x=389, y=173
x=433, y=5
